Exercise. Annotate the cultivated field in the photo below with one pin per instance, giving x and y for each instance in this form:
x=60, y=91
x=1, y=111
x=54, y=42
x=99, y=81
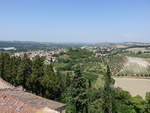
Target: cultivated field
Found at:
x=133, y=85
x=120, y=46
x=138, y=49
x=136, y=65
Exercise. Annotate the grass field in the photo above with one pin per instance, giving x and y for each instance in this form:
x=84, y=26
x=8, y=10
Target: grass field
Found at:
x=133, y=85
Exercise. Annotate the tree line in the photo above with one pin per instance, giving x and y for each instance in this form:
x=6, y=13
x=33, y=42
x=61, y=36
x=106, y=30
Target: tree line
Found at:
x=33, y=75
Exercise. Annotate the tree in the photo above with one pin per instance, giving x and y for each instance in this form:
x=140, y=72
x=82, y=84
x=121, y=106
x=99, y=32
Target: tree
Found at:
x=24, y=72
x=37, y=74
x=51, y=82
x=147, y=98
x=5, y=66
x=77, y=95
x=14, y=65
x=121, y=102
x=2, y=65
x=107, y=92
x=138, y=103
x=95, y=100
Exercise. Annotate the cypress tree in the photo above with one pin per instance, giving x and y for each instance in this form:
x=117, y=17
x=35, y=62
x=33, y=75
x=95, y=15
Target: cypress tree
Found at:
x=37, y=74
x=1, y=65
x=14, y=65
x=107, y=92
x=24, y=72
x=5, y=66
x=77, y=92
x=51, y=83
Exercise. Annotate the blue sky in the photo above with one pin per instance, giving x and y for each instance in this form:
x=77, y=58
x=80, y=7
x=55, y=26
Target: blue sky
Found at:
x=75, y=20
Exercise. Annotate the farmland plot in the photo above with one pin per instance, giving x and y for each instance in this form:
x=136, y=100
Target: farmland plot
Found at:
x=133, y=85
x=136, y=65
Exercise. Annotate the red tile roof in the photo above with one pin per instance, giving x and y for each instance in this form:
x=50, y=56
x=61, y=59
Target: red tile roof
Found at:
x=14, y=100
x=4, y=84
x=24, y=102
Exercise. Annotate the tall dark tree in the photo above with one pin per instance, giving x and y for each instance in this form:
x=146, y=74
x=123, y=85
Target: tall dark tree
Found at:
x=77, y=94
x=24, y=72
x=51, y=83
x=14, y=65
x=37, y=74
x=1, y=64
x=107, y=92
x=5, y=66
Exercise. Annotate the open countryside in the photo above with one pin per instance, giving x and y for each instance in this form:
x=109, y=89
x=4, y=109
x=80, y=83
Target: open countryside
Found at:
x=134, y=85
x=67, y=70
x=74, y=56
x=136, y=79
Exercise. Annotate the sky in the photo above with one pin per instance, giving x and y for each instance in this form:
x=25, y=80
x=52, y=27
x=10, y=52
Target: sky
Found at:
x=90, y=21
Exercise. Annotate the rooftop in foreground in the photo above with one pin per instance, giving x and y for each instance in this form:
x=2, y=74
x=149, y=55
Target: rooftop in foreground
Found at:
x=4, y=84
x=14, y=100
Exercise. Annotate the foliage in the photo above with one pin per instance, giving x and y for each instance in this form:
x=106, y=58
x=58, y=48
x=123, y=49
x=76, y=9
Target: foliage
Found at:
x=76, y=93
x=147, y=103
x=107, y=92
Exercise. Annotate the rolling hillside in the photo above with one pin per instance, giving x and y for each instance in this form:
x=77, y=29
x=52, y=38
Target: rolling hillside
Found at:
x=136, y=66
x=131, y=65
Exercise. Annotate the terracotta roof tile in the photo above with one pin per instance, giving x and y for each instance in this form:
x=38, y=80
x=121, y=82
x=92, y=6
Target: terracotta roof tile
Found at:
x=15, y=100
x=20, y=100
x=4, y=84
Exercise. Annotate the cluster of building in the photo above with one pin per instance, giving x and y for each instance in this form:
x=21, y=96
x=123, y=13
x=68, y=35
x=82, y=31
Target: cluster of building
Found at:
x=17, y=100
x=49, y=55
x=99, y=50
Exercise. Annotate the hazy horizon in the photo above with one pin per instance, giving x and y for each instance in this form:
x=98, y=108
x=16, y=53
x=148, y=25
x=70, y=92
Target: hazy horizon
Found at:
x=76, y=41
x=78, y=21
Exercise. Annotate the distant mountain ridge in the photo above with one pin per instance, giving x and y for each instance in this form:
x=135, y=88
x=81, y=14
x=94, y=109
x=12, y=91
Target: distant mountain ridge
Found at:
x=30, y=45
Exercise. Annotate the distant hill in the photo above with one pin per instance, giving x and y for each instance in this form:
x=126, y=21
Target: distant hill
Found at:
x=30, y=45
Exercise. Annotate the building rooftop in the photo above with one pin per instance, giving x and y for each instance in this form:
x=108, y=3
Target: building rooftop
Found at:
x=15, y=100
x=4, y=84
x=30, y=99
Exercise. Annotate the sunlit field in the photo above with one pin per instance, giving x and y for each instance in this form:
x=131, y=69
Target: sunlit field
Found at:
x=133, y=85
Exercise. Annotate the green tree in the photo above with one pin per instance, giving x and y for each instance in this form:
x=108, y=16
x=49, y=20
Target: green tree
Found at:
x=37, y=74
x=95, y=101
x=51, y=82
x=138, y=103
x=77, y=95
x=147, y=98
x=107, y=92
x=14, y=65
x=2, y=64
x=121, y=102
x=24, y=72
x=5, y=66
